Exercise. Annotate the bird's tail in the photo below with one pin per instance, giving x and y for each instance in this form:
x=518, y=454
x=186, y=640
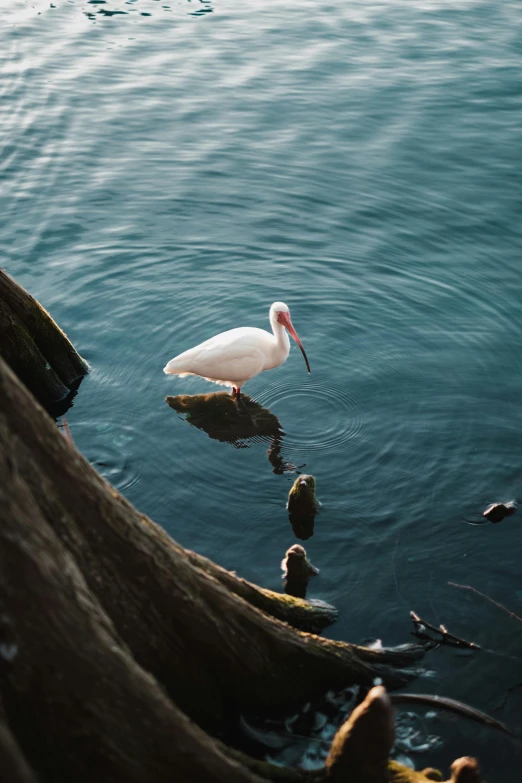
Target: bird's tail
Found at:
x=173, y=368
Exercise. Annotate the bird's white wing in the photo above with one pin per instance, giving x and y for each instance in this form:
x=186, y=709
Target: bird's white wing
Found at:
x=236, y=355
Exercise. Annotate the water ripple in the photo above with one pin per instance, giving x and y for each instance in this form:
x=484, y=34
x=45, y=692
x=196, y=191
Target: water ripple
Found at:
x=109, y=449
x=340, y=422
x=166, y=177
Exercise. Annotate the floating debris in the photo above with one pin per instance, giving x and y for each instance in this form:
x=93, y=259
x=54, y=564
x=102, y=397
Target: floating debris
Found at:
x=496, y=512
x=452, y=705
x=411, y=736
x=422, y=627
x=303, y=740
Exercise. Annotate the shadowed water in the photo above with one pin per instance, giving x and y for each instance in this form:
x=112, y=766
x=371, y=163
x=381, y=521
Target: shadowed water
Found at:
x=169, y=169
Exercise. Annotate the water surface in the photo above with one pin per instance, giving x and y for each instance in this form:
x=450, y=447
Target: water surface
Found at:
x=169, y=169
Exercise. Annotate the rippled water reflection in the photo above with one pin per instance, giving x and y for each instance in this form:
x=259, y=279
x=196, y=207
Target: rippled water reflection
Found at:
x=169, y=171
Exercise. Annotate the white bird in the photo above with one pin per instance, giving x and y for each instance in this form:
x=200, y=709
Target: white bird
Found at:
x=232, y=358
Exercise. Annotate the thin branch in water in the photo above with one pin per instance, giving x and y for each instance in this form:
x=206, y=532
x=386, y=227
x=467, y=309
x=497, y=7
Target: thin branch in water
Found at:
x=421, y=626
x=491, y=600
x=450, y=704
x=506, y=697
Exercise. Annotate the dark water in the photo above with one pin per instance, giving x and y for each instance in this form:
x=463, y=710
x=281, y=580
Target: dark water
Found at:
x=169, y=169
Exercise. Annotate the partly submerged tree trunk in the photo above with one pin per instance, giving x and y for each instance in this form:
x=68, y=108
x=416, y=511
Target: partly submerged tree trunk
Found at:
x=113, y=637
x=14, y=767
x=306, y=616
x=79, y=704
x=215, y=653
x=34, y=345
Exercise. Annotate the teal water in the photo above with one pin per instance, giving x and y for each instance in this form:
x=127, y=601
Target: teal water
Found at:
x=169, y=169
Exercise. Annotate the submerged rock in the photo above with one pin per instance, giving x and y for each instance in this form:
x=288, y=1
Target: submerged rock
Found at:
x=496, y=512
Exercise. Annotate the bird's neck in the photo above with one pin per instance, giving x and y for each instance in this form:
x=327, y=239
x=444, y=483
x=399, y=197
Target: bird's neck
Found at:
x=281, y=338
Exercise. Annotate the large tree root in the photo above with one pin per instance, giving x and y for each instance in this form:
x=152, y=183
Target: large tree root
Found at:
x=34, y=345
x=306, y=616
x=213, y=652
x=14, y=767
x=80, y=706
x=114, y=639
x=82, y=709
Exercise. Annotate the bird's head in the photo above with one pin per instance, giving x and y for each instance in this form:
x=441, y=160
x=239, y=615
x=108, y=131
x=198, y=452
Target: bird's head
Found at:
x=280, y=313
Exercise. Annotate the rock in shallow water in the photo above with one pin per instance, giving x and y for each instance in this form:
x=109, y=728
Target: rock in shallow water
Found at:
x=496, y=512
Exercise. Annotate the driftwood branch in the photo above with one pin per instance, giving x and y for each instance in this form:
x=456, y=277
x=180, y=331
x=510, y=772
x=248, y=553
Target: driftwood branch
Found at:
x=487, y=597
x=444, y=636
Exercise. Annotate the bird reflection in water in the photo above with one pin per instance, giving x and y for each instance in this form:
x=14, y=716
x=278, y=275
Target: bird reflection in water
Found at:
x=222, y=418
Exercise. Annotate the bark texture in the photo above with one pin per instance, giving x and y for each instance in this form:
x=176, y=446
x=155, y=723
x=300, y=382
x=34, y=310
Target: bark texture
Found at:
x=34, y=346
x=362, y=745
x=180, y=622
x=305, y=616
x=81, y=707
x=14, y=767
x=119, y=649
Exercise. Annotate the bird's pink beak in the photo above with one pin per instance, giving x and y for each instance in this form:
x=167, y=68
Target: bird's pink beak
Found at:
x=284, y=318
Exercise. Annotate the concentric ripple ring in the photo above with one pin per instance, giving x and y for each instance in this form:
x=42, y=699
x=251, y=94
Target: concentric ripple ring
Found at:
x=341, y=421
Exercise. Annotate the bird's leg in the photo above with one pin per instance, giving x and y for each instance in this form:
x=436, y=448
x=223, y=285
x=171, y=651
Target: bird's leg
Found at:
x=239, y=400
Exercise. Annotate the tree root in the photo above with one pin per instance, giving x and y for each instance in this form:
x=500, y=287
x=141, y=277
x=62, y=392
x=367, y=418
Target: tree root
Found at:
x=297, y=612
x=34, y=345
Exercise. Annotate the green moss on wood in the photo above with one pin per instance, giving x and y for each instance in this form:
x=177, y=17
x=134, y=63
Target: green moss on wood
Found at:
x=301, y=614
x=400, y=774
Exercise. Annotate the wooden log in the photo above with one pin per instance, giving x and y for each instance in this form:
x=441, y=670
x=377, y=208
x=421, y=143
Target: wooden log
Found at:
x=306, y=616
x=81, y=707
x=34, y=346
x=91, y=591
x=215, y=654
